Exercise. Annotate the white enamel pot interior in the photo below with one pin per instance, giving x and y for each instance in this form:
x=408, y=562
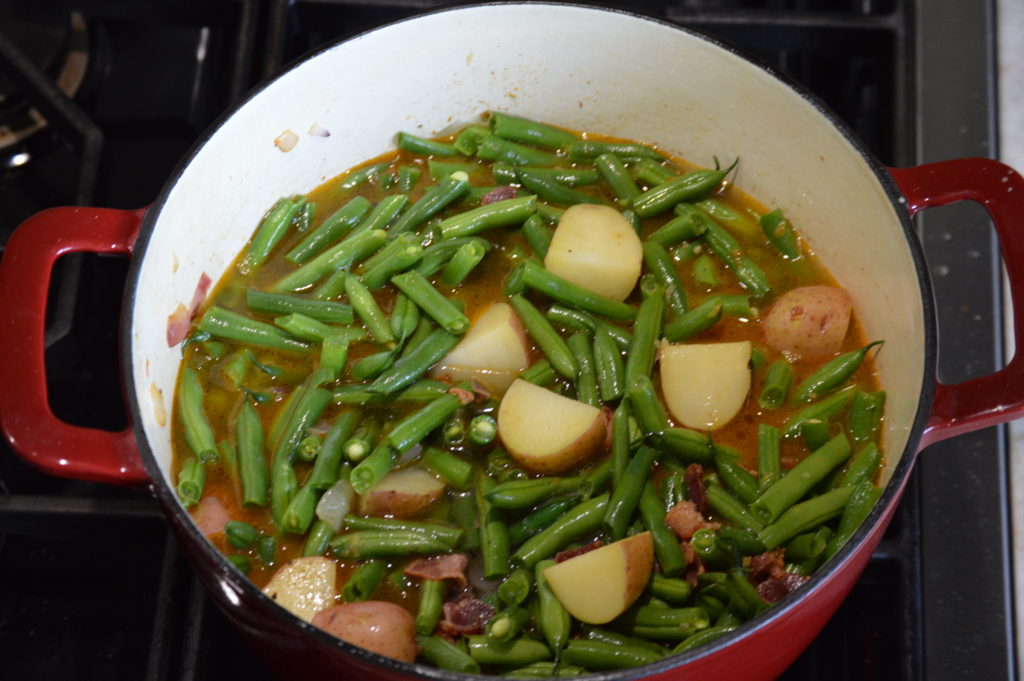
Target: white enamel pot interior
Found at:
x=586, y=69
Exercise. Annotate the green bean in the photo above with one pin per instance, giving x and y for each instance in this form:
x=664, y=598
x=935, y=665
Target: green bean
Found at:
x=743, y=596
x=808, y=545
x=413, y=365
x=862, y=500
x=240, y=563
x=646, y=406
x=433, y=201
x=413, y=428
x=515, y=589
x=574, y=177
x=279, y=304
x=702, y=317
x=666, y=544
x=436, y=531
x=788, y=490
x=483, y=428
x=440, y=169
x=832, y=374
x=816, y=433
x=266, y=549
x=673, y=489
x=252, y=464
x=777, y=379
x=498, y=214
x=600, y=655
x=659, y=262
x=736, y=478
x=298, y=514
x=526, y=131
x=690, y=186
x=551, y=344
x=540, y=373
x=646, y=331
x=372, y=365
x=368, y=310
x=196, y=425
x=626, y=497
x=713, y=606
x=780, y=233
x=431, y=301
x=534, y=276
x=609, y=366
x=332, y=287
x=866, y=414
x=704, y=272
x=437, y=255
x=552, y=618
x=469, y=139
x=373, y=544
x=362, y=441
x=486, y=650
x=432, y=593
x=713, y=554
x=455, y=471
x=578, y=320
x=444, y=655
x=702, y=637
x=533, y=523
x=805, y=516
x=240, y=535
x=424, y=146
x=493, y=148
x=731, y=509
x=363, y=581
x=341, y=256
x=327, y=467
x=304, y=218
x=618, y=178
x=725, y=247
x=553, y=191
x=272, y=229
x=405, y=318
x=651, y=172
x=598, y=477
x=616, y=638
x=588, y=150
x=402, y=259
x=580, y=520
x=524, y=493
x=329, y=231
x=408, y=177
x=386, y=210
x=586, y=375
x=506, y=624
x=687, y=445
x=364, y=174
x=823, y=410
x=537, y=236
x=673, y=591
x=743, y=539
x=681, y=228
x=308, y=329
x=318, y=539
x=494, y=539
x=757, y=357
x=454, y=431
x=863, y=466
x=727, y=216
x=223, y=323
x=462, y=263
x=769, y=464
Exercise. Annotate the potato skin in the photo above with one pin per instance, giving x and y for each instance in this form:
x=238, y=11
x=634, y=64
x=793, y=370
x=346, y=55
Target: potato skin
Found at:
x=378, y=626
x=809, y=322
x=407, y=493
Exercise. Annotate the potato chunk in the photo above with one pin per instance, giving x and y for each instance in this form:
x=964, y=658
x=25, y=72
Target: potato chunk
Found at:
x=545, y=432
x=598, y=586
x=705, y=385
x=808, y=322
x=493, y=351
x=304, y=586
x=596, y=248
x=379, y=626
x=407, y=493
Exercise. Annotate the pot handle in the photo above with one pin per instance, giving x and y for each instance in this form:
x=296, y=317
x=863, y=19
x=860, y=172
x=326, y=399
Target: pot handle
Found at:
x=35, y=433
x=999, y=397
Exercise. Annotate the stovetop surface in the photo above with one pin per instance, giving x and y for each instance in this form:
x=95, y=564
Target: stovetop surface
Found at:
x=92, y=585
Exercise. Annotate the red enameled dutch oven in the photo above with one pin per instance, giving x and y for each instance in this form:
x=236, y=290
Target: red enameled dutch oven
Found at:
x=586, y=69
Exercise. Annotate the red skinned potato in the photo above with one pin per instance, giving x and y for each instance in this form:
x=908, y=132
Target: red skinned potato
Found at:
x=808, y=322
x=406, y=493
x=378, y=626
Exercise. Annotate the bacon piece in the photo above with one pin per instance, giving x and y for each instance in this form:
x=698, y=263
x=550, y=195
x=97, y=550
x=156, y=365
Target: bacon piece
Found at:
x=578, y=551
x=211, y=516
x=771, y=590
x=178, y=323
x=449, y=566
x=607, y=414
x=694, y=479
x=793, y=581
x=465, y=396
x=767, y=565
x=684, y=519
x=498, y=194
x=467, y=615
x=202, y=288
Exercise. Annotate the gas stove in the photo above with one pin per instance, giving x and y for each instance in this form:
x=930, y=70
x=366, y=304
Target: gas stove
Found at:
x=99, y=102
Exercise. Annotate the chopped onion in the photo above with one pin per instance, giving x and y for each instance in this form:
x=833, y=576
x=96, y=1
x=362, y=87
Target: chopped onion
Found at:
x=335, y=504
x=286, y=141
x=409, y=456
x=319, y=130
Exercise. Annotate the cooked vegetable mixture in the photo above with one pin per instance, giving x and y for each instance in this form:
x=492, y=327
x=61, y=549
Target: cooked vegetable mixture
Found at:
x=527, y=402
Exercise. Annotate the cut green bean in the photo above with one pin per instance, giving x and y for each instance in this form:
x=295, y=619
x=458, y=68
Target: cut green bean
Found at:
x=553, y=191
x=271, y=230
x=537, y=236
x=318, y=539
x=462, y=263
x=731, y=509
x=455, y=471
x=483, y=428
x=550, y=342
x=687, y=187
x=805, y=516
x=552, y=618
x=374, y=544
x=540, y=373
x=823, y=410
x=580, y=520
x=863, y=466
x=646, y=332
x=533, y=523
x=684, y=444
x=191, y=480
x=443, y=533
x=577, y=320
x=498, y=214
x=280, y=304
x=777, y=380
x=424, y=146
x=780, y=233
x=861, y=501
x=432, y=594
x=534, y=276
x=493, y=148
x=588, y=150
x=521, y=651
x=329, y=231
x=646, y=406
x=402, y=259
x=618, y=178
x=769, y=462
x=602, y=656
x=526, y=131
x=700, y=318
x=444, y=655
x=608, y=364
x=574, y=177
x=658, y=261
x=369, y=311
x=431, y=301
x=666, y=544
x=196, y=425
x=338, y=257
x=626, y=497
x=866, y=415
x=433, y=201
x=681, y=228
x=413, y=365
x=704, y=272
x=363, y=581
x=735, y=477
x=832, y=374
x=805, y=475
x=223, y=323
x=586, y=375
x=251, y=462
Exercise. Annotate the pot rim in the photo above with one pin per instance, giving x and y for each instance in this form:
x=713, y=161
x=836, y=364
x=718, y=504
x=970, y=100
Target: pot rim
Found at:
x=164, y=492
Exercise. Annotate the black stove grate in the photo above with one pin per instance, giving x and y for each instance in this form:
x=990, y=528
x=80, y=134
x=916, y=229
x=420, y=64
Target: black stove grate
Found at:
x=91, y=583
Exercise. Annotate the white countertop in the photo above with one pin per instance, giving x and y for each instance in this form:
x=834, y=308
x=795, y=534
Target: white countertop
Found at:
x=1011, y=151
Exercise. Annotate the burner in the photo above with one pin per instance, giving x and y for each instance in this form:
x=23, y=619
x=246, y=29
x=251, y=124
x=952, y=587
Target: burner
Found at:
x=56, y=42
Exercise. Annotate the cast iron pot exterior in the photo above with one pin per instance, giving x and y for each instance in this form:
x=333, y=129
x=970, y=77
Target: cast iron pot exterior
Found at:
x=581, y=67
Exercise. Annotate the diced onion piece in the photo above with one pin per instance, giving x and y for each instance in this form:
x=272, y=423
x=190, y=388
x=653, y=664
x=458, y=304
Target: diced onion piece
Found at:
x=335, y=504
x=286, y=141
